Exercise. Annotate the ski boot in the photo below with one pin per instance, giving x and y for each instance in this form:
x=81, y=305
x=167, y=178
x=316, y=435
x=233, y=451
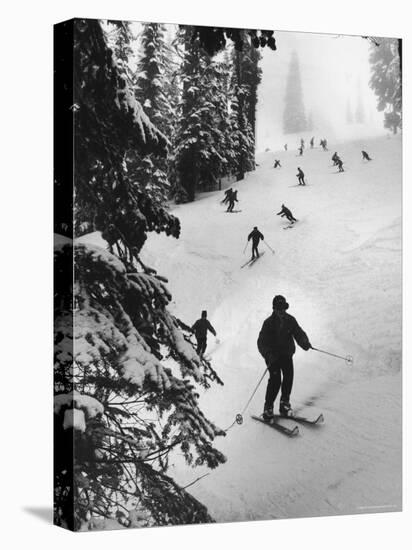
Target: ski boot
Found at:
x=267, y=414
x=285, y=409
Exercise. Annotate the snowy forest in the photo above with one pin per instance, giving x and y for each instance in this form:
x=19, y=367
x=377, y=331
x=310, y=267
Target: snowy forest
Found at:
x=164, y=119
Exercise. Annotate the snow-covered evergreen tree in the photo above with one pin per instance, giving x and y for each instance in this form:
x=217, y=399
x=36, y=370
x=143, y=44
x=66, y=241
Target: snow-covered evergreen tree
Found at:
x=386, y=79
x=199, y=145
x=126, y=373
x=294, y=118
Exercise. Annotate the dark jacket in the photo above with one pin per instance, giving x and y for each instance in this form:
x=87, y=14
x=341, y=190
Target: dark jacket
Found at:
x=278, y=334
x=284, y=211
x=256, y=236
x=201, y=327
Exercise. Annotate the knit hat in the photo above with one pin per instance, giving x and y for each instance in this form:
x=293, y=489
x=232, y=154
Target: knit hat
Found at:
x=279, y=302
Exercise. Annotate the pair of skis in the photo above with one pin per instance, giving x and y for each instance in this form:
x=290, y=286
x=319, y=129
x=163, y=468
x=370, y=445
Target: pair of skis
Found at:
x=290, y=432
x=252, y=261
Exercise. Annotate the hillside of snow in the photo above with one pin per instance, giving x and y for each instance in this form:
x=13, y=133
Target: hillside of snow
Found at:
x=340, y=270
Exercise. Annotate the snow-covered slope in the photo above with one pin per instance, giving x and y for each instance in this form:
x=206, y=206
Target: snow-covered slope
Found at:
x=340, y=269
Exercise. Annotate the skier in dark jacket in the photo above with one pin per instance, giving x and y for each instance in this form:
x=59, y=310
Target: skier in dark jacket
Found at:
x=300, y=151
x=312, y=143
x=276, y=343
x=200, y=329
x=335, y=157
x=277, y=164
x=285, y=212
x=228, y=192
x=256, y=237
x=365, y=156
x=232, y=200
x=301, y=177
x=339, y=163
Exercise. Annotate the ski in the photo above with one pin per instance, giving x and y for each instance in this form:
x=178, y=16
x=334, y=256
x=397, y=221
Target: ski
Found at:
x=255, y=259
x=319, y=420
x=290, y=432
x=245, y=264
x=231, y=211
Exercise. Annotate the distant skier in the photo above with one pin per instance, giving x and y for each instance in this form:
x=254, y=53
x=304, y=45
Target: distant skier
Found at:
x=302, y=143
x=300, y=151
x=232, y=200
x=312, y=143
x=301, y=177
x=227, y=196
x=323, y=144
x=200, y=329
x=285, y=146
x=365, y=156
x=339, y=163
x=277, y=164
x=335, y=157
x=256, y=236
x=276, y=343
x=285, y=212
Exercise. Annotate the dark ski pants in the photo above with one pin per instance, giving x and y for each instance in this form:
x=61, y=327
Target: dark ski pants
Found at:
x=201, y=345
x=280, y=376
x=255, y=251
x=230, y=207
x=291, y=219
x=301, y=181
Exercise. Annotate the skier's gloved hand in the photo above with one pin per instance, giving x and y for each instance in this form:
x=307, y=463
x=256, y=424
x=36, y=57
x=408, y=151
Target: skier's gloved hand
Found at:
x=307, y=346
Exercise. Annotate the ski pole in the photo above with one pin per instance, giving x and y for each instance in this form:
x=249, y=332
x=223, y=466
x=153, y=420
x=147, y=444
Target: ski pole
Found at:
x=244, y=250
x=239, y=416
x=348, y=358
x=270, y=248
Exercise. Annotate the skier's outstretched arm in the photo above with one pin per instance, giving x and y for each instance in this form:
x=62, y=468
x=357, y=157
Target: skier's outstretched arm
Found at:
x=194, y=327
x=211, y=329
x=301, y=337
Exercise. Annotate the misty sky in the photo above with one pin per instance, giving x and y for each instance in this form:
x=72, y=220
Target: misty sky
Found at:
x=333, y=69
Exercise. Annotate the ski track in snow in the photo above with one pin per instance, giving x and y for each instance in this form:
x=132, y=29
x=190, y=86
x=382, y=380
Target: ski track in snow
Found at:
x=340, y=270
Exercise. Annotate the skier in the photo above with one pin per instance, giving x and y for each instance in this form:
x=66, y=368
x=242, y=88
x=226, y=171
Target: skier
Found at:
x=301, y=177
x=340, y=164
x=256, y=236
x=286, y=146
x=285, y=212
x=277, y=164
x=300, y=151
x=276, y=343
x=335, y=156
x=302, y=143
x=365, y=156
x=312, y=143
x=200, y=329
x=228, y=192
x=232, y=200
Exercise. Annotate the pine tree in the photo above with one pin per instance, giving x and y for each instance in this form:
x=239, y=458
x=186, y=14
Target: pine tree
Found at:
x=294, y=119
x=152, y=75
x=386, y=79
x=245, y=79
x=126, y=373
x=198, y=157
